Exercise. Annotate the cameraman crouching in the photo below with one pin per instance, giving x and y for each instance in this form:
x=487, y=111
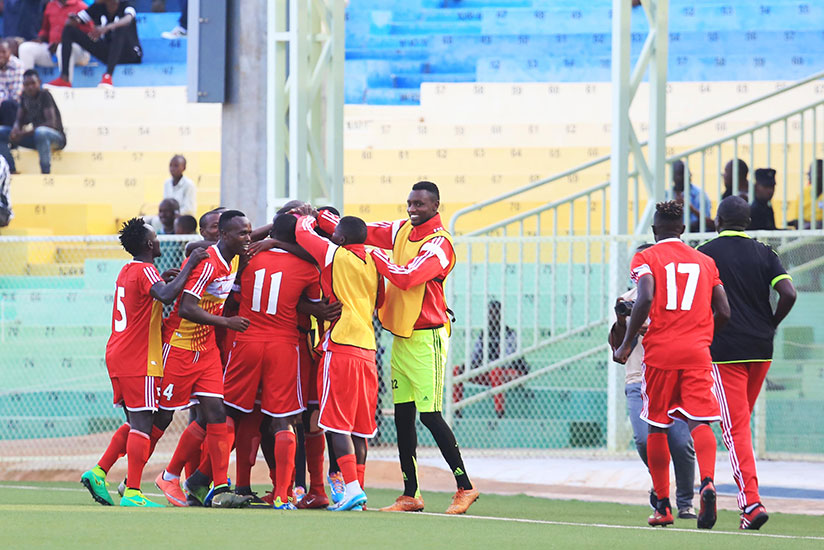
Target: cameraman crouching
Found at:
x=678, y=436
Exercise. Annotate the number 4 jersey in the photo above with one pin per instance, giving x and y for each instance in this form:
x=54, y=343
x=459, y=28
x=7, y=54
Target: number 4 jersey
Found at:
x=681, y=321
x=134, y=348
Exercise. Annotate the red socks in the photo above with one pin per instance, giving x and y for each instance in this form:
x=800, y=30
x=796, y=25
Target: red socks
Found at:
x=705, y=449
x=348, y=468
x=137, y=447
x=219, y=448
x=116, y=448
x=658, y=460
x=315, y=444
x=285, y=444
x=187, y=448
x=247, y=439
x=362, y=475
x=155, y=436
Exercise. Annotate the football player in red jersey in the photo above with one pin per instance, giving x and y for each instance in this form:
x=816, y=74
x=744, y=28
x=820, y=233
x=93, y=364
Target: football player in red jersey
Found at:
x=133, y=358
x=267, y=353
x=192, y=367
x=680, y=291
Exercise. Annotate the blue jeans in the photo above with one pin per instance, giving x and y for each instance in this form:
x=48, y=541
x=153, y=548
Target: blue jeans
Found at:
x=680, y=444
x=44, y=140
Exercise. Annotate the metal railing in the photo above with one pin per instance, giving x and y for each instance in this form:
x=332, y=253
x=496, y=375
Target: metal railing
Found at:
x=600, y=167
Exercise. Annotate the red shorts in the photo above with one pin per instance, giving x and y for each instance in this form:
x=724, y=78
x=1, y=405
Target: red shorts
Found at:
x=136, y=393
x=678, y=393
x=349, y=394
x=309, y=371
x=188, y=373
x=273, y=367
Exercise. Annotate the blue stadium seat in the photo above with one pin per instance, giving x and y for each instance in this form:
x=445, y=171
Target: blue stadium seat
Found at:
x=145, y=74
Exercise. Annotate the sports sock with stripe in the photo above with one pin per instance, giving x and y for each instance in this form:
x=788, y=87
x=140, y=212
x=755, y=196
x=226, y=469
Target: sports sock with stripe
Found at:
x=445, y=439
x=137, y=449
x=407, y=445
x=658, y=461
x=116, y=448
x=705, y=450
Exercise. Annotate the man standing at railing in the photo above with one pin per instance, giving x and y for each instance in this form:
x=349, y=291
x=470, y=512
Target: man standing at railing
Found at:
x=742, y=350
x=415, y=313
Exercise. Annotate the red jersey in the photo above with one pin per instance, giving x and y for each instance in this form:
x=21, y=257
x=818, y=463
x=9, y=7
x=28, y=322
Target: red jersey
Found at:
x=134, y=348
x=681, y=321
x=211, y=282
x=270, y=287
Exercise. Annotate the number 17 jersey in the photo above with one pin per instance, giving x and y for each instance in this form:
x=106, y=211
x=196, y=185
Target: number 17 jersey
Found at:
x=681, y=320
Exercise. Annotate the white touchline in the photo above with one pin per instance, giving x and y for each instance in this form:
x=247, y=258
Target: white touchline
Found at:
x=69, y=489
x=632, y=527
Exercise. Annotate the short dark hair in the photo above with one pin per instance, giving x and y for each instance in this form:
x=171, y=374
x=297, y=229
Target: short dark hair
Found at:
x=331, y=209
x=643, y=246
x=427, y=186
x=187, y=223
x=294, y=203
x=227, y=217
x=133, y=236
x=202, y=221
x=819, y=178
x=669, y=211
x=31, y=72
x=353, y=228
x=734, y=211
x=283, y=228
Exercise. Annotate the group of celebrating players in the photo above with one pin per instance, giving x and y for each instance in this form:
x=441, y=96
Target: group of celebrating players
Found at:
x=271, y=335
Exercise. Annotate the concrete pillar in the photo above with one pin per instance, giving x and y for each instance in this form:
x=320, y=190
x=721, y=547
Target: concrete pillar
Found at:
x=243, y=140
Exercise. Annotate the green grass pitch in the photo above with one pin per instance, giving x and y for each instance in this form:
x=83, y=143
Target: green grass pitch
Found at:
x=63, y=516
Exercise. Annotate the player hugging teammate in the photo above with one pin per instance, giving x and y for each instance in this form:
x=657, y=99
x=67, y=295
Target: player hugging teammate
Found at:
x=256, y=368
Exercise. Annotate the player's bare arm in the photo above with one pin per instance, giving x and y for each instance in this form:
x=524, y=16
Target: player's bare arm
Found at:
x=640, y=312
x=720, y=307
x=166, y=292
x=786, y=299
x=321, y=310
x=191, y=311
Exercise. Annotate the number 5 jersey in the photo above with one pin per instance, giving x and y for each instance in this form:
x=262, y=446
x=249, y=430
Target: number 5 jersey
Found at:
x=681, y=319
x=134, y=348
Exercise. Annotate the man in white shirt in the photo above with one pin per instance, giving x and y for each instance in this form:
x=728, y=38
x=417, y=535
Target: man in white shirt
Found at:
x=181, y=188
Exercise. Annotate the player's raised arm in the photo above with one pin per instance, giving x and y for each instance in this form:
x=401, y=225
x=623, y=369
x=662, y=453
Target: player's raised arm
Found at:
x=167, y=292
x=434, y=257
x=320, y=248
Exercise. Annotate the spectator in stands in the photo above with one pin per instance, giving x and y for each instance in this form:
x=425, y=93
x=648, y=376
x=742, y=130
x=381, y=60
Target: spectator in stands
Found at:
x=698, y=199
x=21, y=19
x=11, y=84
x=179, y=187
x=182, y=24
x=679, y=439
x=186, y=225
x=167, y=212
x=814, y=173
x=5, y=202
x=502, y=341
x=761, y=211
x=38, y=109
x=743, y=184
x=113, y=39
x=41, y=50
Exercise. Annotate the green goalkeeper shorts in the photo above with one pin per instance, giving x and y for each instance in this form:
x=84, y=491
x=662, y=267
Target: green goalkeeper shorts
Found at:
x=418, y=366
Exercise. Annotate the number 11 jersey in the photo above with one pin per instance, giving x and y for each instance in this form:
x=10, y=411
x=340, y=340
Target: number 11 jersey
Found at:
x=681, y=320
x=270, y=287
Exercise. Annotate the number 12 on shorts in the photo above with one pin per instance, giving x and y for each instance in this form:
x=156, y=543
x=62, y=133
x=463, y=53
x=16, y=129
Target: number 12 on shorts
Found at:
x=692, y=271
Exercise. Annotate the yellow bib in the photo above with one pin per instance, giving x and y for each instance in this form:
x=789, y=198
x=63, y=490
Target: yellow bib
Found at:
x=401, y=308
x=355, y=284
